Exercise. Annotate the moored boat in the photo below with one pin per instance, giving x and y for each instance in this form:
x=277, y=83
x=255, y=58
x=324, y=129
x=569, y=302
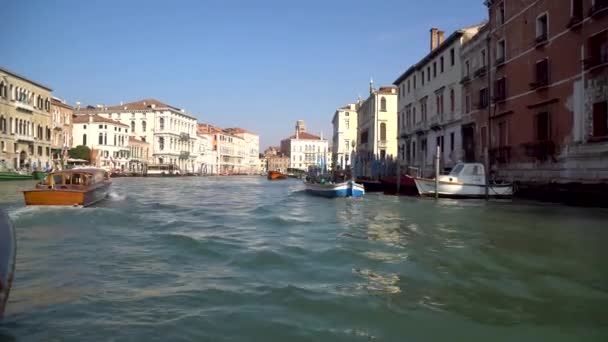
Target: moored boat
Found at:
x=276, y=175
x=466, y=180
x=332, y=190
x=77, y=187
x=8, y=246
x=406, y=185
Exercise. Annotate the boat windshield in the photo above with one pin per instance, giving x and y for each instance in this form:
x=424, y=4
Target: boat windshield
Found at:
x=456, y=170
x=58, y=179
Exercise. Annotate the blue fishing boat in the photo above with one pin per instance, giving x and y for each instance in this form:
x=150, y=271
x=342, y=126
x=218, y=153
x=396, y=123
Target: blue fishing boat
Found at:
x=7, y=258
x=333, y=190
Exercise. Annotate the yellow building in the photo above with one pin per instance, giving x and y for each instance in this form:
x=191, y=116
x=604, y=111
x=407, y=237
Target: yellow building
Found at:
x=25, y=122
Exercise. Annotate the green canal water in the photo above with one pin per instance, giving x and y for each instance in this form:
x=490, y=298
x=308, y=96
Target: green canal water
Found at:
x=244, y=259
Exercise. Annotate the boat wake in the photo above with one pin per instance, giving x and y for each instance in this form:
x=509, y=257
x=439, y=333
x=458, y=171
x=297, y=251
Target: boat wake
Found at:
x=113, y=196
x=28, y=211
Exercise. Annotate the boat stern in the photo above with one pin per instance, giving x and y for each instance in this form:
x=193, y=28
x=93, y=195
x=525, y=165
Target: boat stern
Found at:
x=44, y=197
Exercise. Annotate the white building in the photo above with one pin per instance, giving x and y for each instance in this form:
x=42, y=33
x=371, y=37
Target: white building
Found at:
x=345, y=135
x=206, y=156
x=108, y=138
x=377, y=128
x=430, y=108
x=230, y=149
x=304, y=149
x=170, y=131
x=251, y=157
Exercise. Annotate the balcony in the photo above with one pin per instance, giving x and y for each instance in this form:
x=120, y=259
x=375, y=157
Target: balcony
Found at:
x=465, y=79
x=541, y=40
x=481, y=71
x=382, y=143
x=184, y=136
x=599, y=60
x=599, y=9
x=184, y=155
x=22, y=137
x=23, y=106
x=435, y=122
x=57, y=126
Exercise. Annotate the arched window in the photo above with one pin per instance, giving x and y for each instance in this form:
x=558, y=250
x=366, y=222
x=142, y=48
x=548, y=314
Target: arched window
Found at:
x=383, y=131
x=84, y=139
x=161, y=144
x=161, y=124
x=143, y=126
x=382, y=104
x=133, y=126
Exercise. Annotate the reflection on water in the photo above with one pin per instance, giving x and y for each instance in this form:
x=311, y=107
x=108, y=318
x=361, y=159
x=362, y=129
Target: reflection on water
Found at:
x=229, y=258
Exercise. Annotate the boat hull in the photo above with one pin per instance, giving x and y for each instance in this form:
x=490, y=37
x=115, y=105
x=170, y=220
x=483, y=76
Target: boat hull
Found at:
x=426, y=187
x=275, y=175
x=407, y=186
x=66, y=197
x=9, y=176
x=371, y=185
x=8, y=247
x=345, y=189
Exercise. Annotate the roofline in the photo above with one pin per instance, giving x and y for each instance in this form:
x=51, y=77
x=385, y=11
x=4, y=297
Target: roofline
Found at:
x=82, y=111
x=14, y=74
x=444, y=45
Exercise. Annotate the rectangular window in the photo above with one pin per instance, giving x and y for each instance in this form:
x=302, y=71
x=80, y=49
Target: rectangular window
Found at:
x=434, y=69
x=467, y=68
x=483, y=98
x=577, y=9
x=100, y=139
x=422, y=77
x=598, y=50
x=441, y=64
x=500, y=14
x=502, y=134
x=408, y=86
x=542, y=72
x=500, y=52
x=452, y=101
x=484, y=138
x=542, y=27
x=428, y=73
x=542, y=126
x=600, y=119
x=483, y=58
x=500, y=89
x=452, y=142
x=452, y=57
x=414, y=81
x=467, y=103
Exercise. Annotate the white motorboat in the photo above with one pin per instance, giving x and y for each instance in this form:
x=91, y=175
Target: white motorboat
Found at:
x=467, y=180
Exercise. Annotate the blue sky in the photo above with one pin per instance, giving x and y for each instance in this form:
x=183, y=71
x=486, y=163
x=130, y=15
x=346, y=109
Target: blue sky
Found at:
x=260, y=65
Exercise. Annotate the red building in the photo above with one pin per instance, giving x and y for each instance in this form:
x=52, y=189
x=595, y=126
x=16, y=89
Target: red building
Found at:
x=549, y=90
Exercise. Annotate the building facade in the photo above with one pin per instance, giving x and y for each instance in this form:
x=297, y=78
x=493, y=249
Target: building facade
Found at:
x=305, y=150
x=230, y=149
x=207, y=160
x=251, y=149
x=61, y=121
x=170, y=131
x=25, y=122
x=376, y=128
x=345, y=135
x=108, y=138
x=430, y=108
x=278, y=162
x=549, y=112
x=139, y=155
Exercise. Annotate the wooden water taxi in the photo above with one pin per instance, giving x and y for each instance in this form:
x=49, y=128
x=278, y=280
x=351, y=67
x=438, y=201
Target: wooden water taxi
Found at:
x=276, y=175
x=77, y=187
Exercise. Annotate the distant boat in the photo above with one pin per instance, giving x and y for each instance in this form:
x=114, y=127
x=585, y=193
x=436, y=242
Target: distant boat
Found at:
x=332, y=190
x=8, y=174
x=467, y=180
x=77, y=187
x=276, y=175
x=8, y=246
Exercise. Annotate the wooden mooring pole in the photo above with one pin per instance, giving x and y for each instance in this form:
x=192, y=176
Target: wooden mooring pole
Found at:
x=437, y=161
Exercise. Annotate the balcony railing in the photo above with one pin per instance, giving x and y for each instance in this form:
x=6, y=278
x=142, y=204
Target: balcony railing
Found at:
x=596, y=60
x=22, y=137
x=500, y=61
x=184, y=155
x=184, y=136
x=21, y=105
x=57, y=126
x=465, y=79
x=481, y=71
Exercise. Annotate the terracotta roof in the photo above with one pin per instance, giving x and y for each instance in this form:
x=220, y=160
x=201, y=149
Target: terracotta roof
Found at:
x=305, y=136
x=237, y=130
x=82, y=119
x=142, y=105
x=203, y=128
x=57, y=102
x=387, y=90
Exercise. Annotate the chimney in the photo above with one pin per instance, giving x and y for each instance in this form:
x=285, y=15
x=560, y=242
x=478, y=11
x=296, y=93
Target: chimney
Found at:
x=90, y=118
x=440, y=37
x=434, y=38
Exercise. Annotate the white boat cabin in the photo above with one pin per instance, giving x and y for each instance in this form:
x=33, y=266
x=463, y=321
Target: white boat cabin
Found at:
x=466, y=173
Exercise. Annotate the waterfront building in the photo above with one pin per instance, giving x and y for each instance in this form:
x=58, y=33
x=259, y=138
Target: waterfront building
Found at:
x=61, y=123
x=345, y=135
x=549, y=110
x=430, y=109
x=278, y=162
x=171, y=131
x=230, y=149
x=376, y=128
x=304, y=149
x=263, y=164
x=251, y=149
x=108, y=138
x=25, y=122
x=139, y=155
x=206, y=160
x=474, y=96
